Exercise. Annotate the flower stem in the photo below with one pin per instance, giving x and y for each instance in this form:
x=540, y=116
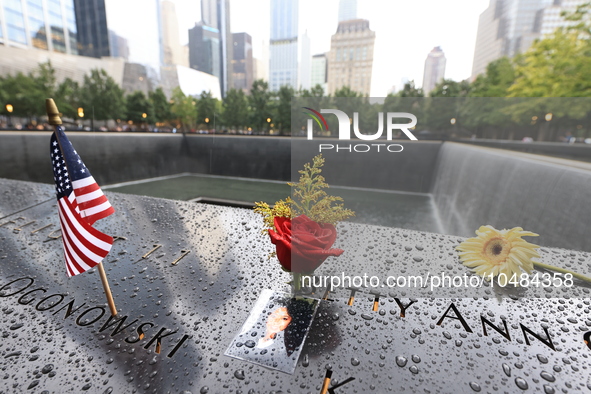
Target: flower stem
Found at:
x=562, y=270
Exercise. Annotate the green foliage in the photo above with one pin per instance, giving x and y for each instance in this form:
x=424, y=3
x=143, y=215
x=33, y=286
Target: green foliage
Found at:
x=24, y=95
x=346, y=91
x=309, y=198
x=260, y=107
x=27, y=93
x=101, y=97
x=208, y=108
x=137, y=105
x=499, y=76
x=183, y=109
x=235, y=109
x=160, y=106
x=410, y=90
x=451, y=88
x=282, y=118
x=67, y=98
x=281, y=209
x=557, y=66
x=409, y=99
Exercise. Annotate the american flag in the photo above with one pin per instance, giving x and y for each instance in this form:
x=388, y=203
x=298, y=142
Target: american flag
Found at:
x=80, y=203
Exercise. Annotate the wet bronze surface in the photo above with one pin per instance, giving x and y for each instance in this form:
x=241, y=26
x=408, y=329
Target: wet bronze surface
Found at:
x=57, y=335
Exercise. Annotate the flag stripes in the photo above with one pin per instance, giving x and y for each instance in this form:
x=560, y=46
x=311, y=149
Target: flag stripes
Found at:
x=93, y=204
x=84, y=246
x=80, y=204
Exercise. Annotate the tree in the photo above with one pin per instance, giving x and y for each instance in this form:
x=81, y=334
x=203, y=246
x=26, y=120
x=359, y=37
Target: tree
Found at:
x=451, y=88
x=410, y=99
x=260, y=108
x=557, y=66
x=27, y=93
x=3, y=95
x=346, y=91
x=183, y=109
x=160, y=106
x=67, y=98
x=282, y=119
x=24, y=95
x=235, y=108
x=313, y=98
x=556, y=70
x=496, y=81
x=410, y=90
x=443, y=107
x=44, y=77
x=208, y=110
x=138, y=105
x=101, y=97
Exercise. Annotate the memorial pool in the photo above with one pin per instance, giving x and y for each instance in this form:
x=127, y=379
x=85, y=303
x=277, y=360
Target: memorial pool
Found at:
x=414, y=211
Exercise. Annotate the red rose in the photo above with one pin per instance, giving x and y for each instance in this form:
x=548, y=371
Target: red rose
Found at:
x=302, y=244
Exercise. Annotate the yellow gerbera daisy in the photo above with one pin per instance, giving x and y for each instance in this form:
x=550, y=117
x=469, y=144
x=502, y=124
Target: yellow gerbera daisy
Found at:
x=499, y=252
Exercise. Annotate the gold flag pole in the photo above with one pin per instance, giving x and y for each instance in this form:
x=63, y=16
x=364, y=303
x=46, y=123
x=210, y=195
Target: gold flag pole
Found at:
x=53, y=117
x=107, y=289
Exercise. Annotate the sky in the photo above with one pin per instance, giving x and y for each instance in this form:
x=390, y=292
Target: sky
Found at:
x=406, y=31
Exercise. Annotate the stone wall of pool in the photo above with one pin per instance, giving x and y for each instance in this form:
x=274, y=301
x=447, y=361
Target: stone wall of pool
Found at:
x=470, y=185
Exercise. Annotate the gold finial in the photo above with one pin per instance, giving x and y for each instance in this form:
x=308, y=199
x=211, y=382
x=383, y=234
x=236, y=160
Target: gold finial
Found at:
x=53, y=115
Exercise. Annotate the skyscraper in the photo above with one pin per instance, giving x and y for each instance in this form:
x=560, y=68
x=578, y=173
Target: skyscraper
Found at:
x=91, y=23
x=319, y=71
x=171, y=46
x=118, y=46
x=49, y=25
x=216, y=14
x=505, y=28
x=242, y=64
x=205, y=50
x=283, y=45
x=434, y=69
x=350, y=59
x=305, y=62
x=552, y=19
x=347, y=10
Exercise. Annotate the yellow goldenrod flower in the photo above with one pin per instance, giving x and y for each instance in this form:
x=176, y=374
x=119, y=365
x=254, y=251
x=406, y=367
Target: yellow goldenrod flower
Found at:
x=495, y=252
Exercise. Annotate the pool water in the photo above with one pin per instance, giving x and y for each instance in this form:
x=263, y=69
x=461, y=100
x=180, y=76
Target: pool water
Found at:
x=414, y=211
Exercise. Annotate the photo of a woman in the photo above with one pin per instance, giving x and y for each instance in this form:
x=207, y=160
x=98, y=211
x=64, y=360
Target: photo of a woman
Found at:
x=274, y=332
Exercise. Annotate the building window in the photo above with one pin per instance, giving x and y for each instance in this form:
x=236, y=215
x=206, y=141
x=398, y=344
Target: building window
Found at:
x=15, y=23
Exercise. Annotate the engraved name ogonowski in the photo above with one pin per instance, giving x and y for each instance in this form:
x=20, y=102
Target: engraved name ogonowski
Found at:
x=88, y=315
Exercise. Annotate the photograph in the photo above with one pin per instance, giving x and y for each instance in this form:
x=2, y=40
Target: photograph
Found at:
x=275, y=331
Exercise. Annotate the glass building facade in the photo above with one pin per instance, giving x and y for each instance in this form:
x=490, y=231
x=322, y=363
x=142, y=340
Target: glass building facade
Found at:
x=283, y=45
x=43, y=24
x=204, y=49
x=93, y=34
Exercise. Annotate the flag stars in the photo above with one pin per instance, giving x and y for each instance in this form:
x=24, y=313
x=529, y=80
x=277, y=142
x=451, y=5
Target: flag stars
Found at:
x=54, y=143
